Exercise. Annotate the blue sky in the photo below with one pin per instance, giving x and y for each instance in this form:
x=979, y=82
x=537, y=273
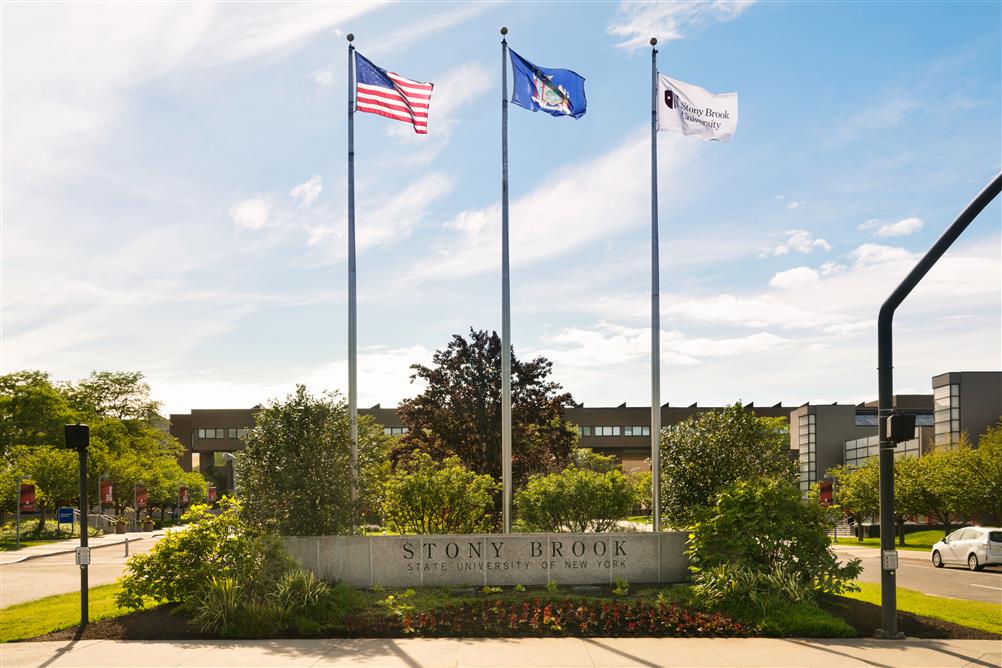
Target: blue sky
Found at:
x=174, y=196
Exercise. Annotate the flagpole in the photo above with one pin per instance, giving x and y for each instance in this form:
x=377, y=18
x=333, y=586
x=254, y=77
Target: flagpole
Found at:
x=655, y=303
x=352, y=302
x=505, y=299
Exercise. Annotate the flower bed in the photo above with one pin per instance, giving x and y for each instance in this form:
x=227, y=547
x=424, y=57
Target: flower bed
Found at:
x=567, y=617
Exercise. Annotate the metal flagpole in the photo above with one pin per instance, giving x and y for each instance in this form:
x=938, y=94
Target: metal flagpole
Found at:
x=505, y=299
x=352, y=303
x=655, y=303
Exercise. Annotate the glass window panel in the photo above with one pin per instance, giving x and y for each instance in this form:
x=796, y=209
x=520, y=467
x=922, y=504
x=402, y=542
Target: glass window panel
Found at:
x=955, y=390
x=201, y=433
x=942, y=428
x=941, y=402
x=954, y=413
x=941, y=391
x=803, y=419
x=812, y=418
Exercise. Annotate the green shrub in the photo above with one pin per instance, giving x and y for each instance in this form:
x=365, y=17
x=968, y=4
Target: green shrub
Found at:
x=761, y=536
x=300, y=592
x=218, y=605
x=423, y=496
x=213, y=545
x=738, y=588
x=575, y=500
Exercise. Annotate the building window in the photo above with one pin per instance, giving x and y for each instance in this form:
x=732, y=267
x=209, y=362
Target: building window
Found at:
x=395, y=431
x=806, y=437
x=946, y=401
x=636, y=431
x=867, y=420
x=606, y=431
x=218, y=460
x=584, y=431
x=242, y=432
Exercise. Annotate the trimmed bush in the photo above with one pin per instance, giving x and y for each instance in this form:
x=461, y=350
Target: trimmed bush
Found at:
x=423, y=496
x=575, y=500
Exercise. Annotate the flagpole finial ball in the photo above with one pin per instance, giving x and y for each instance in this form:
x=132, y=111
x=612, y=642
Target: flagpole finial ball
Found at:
x=504, y=30
x=654, y=40
x=351, y=37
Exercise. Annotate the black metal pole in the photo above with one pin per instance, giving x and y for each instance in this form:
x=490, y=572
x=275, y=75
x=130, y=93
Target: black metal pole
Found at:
x=885, y=379
x=84, y=587
x=506, y=486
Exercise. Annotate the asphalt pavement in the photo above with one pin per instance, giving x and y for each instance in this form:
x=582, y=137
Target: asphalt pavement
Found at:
x=916, y=572
x=45, y=574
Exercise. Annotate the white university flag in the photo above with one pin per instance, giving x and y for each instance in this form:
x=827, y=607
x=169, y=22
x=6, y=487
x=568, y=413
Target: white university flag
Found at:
x=692, y=110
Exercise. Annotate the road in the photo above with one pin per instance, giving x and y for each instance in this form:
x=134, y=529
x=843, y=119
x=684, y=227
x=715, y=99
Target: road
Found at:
x=58, y=574
x=916, y=572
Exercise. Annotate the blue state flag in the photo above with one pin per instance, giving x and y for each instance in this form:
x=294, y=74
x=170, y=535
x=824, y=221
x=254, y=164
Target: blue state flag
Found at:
x=557, y=92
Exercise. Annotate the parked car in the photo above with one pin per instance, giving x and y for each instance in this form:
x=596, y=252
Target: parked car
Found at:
x=975, y=546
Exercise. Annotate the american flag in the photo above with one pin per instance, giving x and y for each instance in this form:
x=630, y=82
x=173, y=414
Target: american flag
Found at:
x=389, y=94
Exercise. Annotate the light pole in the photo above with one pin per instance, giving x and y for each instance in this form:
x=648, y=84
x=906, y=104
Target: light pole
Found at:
x=232, y=459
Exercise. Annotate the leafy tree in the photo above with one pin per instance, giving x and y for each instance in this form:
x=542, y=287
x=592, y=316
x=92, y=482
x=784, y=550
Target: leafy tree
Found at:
x=122, y=395
x=986, y=476
x=32, y=411
x=944, y=490
x=856, y=491
x=907, y=499
x=576, y=500
x=763, y=524
x=459, y=412
x=294, y=474
x=702, y=455
x=423, y=496
x=586, y=458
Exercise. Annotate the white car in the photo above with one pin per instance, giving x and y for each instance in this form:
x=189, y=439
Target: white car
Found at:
x=975, y=546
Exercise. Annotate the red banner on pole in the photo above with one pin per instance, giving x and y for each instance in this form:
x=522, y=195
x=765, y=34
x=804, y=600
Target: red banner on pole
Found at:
x=27, y=497
x=182, y=496
x=140, y=498
x=211, y=494
x=106, y=493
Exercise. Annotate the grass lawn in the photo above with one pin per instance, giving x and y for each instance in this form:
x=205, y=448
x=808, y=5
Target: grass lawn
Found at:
x=976, y=614
x=10, y=545
x=640, y=519
x=52, y=613
x=920, y=541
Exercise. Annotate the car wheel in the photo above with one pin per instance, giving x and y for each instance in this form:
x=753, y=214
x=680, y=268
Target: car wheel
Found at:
x=937, y=559
x=972, y=563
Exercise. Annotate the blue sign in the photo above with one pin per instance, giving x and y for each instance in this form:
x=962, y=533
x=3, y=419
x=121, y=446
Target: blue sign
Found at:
x=64, y=516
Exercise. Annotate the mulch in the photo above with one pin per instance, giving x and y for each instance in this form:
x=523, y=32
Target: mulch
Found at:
x=865, y=618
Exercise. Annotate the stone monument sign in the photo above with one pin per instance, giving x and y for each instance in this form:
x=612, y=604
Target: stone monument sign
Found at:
x=493, y=559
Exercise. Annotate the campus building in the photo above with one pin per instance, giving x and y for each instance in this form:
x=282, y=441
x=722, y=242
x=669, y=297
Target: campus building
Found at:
x=821, y=436
x=824, y=436
x=622, y=431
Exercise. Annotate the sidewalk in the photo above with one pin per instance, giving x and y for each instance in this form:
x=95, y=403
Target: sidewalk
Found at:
x=68, y=546
x=496, y=652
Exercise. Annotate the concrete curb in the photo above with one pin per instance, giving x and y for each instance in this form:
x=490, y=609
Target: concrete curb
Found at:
x=73, y=549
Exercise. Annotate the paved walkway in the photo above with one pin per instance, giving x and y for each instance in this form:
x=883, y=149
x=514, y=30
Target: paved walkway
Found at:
x=68, y=546
x=497, y=652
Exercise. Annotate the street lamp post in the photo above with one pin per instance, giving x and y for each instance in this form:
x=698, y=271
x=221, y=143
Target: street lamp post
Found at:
x=17, y=522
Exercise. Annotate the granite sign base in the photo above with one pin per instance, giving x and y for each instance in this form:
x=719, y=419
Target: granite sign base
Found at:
x=494, y=559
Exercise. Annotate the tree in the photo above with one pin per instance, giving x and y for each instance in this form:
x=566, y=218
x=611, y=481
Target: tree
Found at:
x=459, y=412
x=122, y=395
x=944, y=490
x=576, y=500
x=763, y=523
x=856, y=491
x=987, y=474
x=703, y=454
x=907, y=497
x=294, y=474
x=32, y=411
x=427, y=497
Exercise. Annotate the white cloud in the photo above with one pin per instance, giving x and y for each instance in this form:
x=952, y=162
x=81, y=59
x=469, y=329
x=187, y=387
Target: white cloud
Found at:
x=869, y=224
x=637, y=22
x=793, y=205
x=251, y=214
x=579, y=204
x=323, y=78
x=797, y=277
x=871, y=254
x=307, y=193
x=800, y=241
x=900, y=228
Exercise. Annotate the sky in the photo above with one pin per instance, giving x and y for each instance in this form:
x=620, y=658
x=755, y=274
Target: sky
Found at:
x=174, y=188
